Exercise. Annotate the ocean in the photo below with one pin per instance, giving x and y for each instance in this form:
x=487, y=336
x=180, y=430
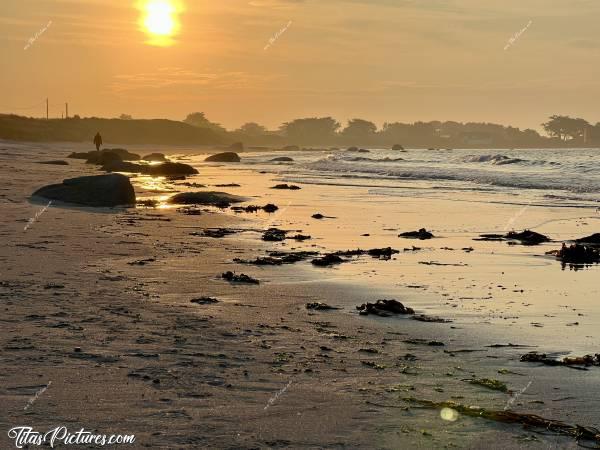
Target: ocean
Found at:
x=551, y=177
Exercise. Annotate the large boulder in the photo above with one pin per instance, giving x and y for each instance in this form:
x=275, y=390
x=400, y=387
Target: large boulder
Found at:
x=397, y=147
x=100, y=190
x=123, y=166
x=205, y=198
x=123, y=154
x=102, y=158
x=166, y=169
x=98, y=157
x=224, y=157
x=170, y=168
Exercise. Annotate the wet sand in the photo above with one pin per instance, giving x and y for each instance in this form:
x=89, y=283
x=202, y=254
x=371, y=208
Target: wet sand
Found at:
x=97, y=302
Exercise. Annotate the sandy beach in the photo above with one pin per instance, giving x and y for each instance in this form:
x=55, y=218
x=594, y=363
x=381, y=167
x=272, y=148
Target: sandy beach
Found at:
x=98, y=312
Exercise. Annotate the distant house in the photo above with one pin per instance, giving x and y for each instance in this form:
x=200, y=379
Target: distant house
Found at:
x=476, y=138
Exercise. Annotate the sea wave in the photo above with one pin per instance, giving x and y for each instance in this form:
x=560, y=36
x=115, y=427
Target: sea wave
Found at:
x=374, y=160
x=532, y=179
x=494, y=159
x=502, y=160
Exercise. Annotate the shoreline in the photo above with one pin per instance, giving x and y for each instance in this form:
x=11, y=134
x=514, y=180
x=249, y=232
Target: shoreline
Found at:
x=135, y=324
x=191, y=148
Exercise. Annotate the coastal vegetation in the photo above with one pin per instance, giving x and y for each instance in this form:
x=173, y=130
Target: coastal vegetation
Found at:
x=197, y=129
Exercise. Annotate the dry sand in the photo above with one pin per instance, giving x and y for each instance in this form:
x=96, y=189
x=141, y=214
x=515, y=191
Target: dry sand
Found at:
x=121, y=349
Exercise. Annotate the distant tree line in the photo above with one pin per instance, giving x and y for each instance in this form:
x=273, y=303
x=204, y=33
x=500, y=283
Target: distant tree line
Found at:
x=567, y=129
x=197, y=129
x=121, y=131
x=561, y=131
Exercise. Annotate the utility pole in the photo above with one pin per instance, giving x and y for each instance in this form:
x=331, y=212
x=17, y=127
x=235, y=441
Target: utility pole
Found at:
x=67, y=110
x=46, y=108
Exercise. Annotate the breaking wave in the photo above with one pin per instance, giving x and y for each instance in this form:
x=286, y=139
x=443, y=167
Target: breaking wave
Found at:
x=528, y=176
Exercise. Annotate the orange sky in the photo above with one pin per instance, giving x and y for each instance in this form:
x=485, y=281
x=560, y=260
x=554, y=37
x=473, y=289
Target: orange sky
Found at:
x=382, y=60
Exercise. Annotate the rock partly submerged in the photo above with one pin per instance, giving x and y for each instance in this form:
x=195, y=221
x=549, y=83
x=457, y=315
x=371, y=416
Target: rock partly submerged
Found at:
x=102, y=158
x=593, y=239
x=282, y=159
x=224, y=157
x=119, y=165
x=586, y=360
x=290, y=187
x=79, y=155
x=384, y=308
x=97, y=191
x=422, y=234
x=170, y=168
x=328, y=260
x=268, y=208
x=211, y=198
x=318, y=306
x=577, y=254
x=216, y=233
x=232, y=277
x=55, y=162
x=380, y=253
x=525, y=237
x=278, y=258
x=92, y=156
x=274, y=235
x=123, y=154
x=155, y=157
x=165, y=169
x=119, y=160
x=204, y=301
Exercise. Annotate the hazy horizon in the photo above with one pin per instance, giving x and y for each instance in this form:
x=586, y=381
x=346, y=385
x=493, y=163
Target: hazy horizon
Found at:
x=271, y=61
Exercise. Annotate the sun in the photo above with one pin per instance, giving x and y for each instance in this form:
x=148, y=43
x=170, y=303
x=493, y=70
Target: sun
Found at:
x=159, y=20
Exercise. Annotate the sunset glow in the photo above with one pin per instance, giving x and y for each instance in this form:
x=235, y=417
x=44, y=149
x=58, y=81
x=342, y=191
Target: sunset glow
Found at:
x=159, y=21
x=300, y=224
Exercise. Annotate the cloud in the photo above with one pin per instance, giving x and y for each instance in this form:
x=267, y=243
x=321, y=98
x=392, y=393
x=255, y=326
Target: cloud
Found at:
x=174, y=77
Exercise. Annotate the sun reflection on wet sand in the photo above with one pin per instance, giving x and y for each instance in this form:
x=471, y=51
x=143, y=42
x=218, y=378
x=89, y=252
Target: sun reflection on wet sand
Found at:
x=160, y=186
x=153, y=184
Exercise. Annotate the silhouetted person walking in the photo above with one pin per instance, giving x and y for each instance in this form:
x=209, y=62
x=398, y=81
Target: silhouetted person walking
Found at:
x=98, y=141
